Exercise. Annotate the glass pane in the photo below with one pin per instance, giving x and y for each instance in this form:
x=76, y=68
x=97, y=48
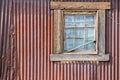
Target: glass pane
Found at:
x=79, y=21
x=79, y=42
x=79, y=33
x=89, y=18
x=89, y=24
x=79, y=18
x=69, y=33
x=69, y=18
x=68, y=44
x=90, y=21
x=89, y=34
x=69, y=24
x=89, y=46
x=79, y=24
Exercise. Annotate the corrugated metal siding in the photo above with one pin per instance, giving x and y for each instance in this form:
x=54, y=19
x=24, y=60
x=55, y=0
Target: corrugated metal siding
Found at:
x=7, y=42
x=33, y=24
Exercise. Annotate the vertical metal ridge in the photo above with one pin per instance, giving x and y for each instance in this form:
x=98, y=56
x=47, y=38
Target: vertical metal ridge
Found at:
x=54, y=72
x=88, y=67
x=21, y=53
x=38, y=48
x=68, y=71
x=30, y=14
x=18, y=28
x=81, y=71
x=115, y=34
x=14, y=22
x=42, y=30
x=117, y=41
x=48, y=39
x=34, y=42
x=1, y=24
x=113, y=31
x=119, y=37
x=85, y=71
x=45, y=40
x=24, y=40
x=52, y=30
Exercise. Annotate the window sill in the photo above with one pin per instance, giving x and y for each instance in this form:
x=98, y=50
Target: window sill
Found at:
x=79, y=57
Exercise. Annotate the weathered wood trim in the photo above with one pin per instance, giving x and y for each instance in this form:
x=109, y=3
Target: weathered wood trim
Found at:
x=96, y=31
x=80, y=12
x=80, y=5
x=78, y=57
x=101, y=34
x=58, y=31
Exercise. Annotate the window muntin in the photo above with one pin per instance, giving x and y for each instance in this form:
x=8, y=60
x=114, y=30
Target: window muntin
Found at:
x=79, y=32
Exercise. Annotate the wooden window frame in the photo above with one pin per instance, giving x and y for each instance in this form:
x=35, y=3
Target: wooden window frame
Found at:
x=58, y=54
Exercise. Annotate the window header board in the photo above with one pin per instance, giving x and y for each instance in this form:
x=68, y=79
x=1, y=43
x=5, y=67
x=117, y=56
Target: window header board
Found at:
x=80, y=5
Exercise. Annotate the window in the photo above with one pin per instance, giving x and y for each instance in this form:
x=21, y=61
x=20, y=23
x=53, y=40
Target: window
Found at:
x=79, y=34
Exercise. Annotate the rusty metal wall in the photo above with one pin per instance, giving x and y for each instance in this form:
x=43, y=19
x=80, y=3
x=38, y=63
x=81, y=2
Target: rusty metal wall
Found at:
x=33, y=24
x=7, y=42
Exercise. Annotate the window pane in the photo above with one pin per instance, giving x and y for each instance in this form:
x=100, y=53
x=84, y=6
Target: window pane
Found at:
x=79, y=21
x=79, y=18
x=79, y=24
x=90, y=21
x=79, y=42
x=69, y=24
x=69, y=33
x=69, y=18
x=89, y=34
x=89, y=46
x=79, y=33
x=68, y=44
x=89, y=24
x=89, y=18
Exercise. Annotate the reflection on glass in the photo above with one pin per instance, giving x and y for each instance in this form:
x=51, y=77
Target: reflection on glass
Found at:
x=79, y=33
x=79, y=42
x=69, y=18
x=89, y=18
x=69, y=24
x=89, y=33
x=69, y=33
x=68, y=44
x=89, y=46
x=89, y=24
x=89, y=21
x=80, y=18
x=79, y=24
